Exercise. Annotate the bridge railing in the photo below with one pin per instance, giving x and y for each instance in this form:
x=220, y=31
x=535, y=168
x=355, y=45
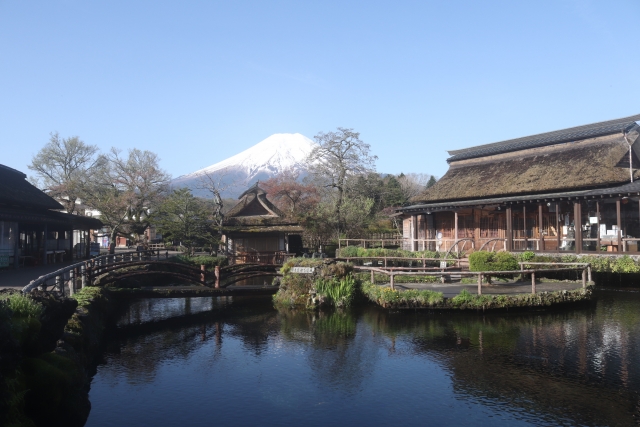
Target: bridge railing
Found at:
x=79, y=274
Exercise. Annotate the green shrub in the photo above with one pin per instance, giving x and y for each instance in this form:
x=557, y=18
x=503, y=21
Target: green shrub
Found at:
x=492, y=261
x=23, y=306
x=386, y=296
x=624, y=264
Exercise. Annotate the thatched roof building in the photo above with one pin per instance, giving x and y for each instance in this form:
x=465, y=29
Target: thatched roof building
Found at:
x=580, y=158
x=255, y=226
x=536, y=173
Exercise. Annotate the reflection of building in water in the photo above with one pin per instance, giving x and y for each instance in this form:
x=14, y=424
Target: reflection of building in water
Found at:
x=574, y=190
x=582, y=366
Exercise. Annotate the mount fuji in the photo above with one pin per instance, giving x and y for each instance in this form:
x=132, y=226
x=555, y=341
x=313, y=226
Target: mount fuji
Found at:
x=269, y=157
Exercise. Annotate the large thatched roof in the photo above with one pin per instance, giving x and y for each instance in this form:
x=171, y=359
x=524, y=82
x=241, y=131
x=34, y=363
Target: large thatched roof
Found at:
x=255, y=210
x=535, y=168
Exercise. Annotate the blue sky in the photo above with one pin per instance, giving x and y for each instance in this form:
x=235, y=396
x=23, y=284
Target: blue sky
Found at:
x=198, y=82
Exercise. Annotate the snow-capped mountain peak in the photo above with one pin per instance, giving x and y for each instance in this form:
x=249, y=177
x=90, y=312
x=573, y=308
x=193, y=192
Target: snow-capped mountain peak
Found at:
x=267, y=158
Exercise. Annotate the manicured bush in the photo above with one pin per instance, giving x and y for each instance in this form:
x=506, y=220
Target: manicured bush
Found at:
x=492, y=261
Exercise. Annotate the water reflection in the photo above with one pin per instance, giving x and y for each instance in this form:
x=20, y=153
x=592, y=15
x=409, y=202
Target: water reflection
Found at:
x=577, y=367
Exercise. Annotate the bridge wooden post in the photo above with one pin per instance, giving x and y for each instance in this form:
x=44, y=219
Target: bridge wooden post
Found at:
x=391, y=280
x=217, y=273
x=203, y=269
x=166, y=254
x=584, y=278
x=72, y=282
x=158, y=255
x=373, y=278
x=480, y=284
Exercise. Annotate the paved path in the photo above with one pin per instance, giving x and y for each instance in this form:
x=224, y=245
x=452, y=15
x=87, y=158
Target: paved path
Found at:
x=18, y=279
x=453, y=289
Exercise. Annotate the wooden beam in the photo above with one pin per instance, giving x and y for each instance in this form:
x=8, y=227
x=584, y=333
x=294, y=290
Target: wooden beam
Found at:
x=577, y=225
x=619, y=225
x=455, y=235
x=558, y=225
x=509, y=230
x=598, y=234
x=540, y=235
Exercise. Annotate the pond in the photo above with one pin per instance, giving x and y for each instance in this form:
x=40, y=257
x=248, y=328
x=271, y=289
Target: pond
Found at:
x=239, y=361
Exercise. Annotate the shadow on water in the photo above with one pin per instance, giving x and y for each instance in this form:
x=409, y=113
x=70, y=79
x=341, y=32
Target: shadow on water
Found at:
x=575, y=367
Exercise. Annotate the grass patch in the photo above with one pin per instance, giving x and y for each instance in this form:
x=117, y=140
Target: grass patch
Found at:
x=340, y=292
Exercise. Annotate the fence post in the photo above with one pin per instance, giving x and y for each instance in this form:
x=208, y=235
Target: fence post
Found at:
x=166, y=254
x=59, y=284
x=589, y=273
x=217, y=273
x=533, y=282
x=391, y=281
x=584, y=278
x=373, y=278
x=202, y=269
x=480, y=284
x=83, y=270
x=72, y=282
x=158, y=255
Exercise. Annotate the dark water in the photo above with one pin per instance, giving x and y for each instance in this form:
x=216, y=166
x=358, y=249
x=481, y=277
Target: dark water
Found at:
x=240, y=362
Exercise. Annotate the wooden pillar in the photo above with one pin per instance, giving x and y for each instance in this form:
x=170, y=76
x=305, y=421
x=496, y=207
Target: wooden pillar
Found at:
x=44, y=245
x=16, y=248
x=455, y=228
x=598, y=234
x=577, y=225
x=509, y=230
x=619, y=233
x=524, y=227
x=414, y=233
x=480, y=284
x=203, y=269
x=391, y=280
x=540, y=228
x=558, y=225
x=217, y=273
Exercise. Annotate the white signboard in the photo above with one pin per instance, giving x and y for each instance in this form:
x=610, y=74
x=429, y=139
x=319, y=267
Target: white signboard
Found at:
x=302, y=270
x=443, y=264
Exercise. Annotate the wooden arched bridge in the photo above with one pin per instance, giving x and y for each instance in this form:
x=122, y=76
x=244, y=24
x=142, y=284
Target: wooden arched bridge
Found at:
x=125, y=268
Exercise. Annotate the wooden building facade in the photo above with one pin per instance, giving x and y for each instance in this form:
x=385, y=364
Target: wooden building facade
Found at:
x=32, y=230
x=254, y=230
x=574, y=190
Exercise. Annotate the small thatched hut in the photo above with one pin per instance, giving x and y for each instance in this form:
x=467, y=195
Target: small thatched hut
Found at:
x=257, y=231
x=574, y=190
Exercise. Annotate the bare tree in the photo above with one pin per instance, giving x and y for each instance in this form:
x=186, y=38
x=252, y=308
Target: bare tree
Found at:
x=126, y=189
x=413, y=184
x=63, y=166
x=216, y=184
x=337, y=155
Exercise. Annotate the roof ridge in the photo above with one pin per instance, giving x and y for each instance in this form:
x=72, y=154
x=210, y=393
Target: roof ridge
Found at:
x=547, y=138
